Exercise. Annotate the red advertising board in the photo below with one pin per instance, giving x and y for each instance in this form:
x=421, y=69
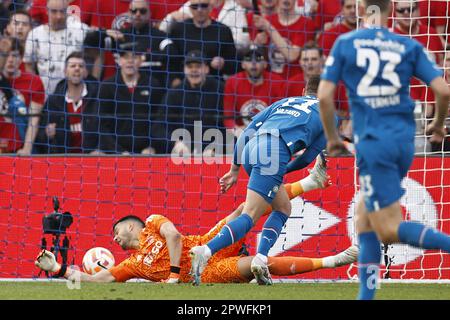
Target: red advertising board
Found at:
x=98, y=191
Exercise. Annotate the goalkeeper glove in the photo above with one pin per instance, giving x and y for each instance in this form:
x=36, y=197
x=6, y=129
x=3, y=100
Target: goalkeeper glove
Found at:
x=47, y=262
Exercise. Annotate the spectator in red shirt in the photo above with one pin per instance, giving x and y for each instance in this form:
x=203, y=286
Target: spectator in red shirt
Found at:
x=286, y=32
x=435, y=13
x=407, y=22
x=250, y=91
x=83, y=10
x=349, y=20
x=30, y=88
x=266, y=9
x=326, y=12
x=311, y=62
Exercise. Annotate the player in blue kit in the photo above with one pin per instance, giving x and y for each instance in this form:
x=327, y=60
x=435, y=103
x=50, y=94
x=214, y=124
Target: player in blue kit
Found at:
x=376, y=67
x=265, y=149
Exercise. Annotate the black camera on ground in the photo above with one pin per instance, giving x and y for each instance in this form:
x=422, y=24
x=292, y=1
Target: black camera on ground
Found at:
x=56, y=223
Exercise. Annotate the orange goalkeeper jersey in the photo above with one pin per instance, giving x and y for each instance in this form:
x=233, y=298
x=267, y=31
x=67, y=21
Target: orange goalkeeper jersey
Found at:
x=152, y=262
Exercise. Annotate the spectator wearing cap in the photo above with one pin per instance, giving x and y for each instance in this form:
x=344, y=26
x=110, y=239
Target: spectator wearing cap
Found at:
x=250, y=91
x=157, y=46
x=70, y=119
x=128, y=102
x=211, y=37
x=198, y=98
x=48, y=45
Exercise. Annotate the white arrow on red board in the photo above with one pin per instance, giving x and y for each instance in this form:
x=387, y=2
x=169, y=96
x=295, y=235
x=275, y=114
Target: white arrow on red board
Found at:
x=306, y=221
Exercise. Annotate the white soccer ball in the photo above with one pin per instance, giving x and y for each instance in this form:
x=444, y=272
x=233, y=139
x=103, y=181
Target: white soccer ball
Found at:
x=97, y=259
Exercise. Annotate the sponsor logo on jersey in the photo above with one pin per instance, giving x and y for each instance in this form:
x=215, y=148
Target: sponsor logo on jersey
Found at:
x=250, y=108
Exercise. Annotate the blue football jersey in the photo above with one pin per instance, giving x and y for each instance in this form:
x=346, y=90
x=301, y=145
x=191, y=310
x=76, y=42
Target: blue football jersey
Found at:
x=376, y=67
x=296, y=120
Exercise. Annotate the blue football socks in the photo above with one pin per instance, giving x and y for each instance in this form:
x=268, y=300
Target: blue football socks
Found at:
x=368, y=265
x=271, y=230
x=231, y=233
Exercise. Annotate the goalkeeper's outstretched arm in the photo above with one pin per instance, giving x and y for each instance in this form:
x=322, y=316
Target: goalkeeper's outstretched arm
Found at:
x=46, y=261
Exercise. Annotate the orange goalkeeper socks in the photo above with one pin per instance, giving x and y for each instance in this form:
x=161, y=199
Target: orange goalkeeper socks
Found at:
x=288, y=266
x=293, y=190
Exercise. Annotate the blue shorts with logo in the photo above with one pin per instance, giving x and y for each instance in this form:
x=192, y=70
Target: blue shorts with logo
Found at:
x=265, y=158
x=382, y=166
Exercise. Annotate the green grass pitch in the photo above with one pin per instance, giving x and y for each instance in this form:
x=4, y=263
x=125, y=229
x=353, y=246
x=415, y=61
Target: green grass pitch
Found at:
x=278, y=291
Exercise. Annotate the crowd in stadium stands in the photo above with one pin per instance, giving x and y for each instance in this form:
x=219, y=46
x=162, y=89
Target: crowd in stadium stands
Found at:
x=121, y=76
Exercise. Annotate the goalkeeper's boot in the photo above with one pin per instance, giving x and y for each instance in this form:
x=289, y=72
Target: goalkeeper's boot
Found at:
x=348, y=256
x=199, y=259
x=261, y=271
x=319, y=172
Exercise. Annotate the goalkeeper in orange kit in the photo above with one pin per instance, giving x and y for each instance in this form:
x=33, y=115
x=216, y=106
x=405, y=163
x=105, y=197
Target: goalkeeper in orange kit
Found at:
x=162, y=253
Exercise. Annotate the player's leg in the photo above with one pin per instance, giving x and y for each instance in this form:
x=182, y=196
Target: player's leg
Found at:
x=225, y=271
x=232, y=232
x=268, y=168
x=264, y=182
x=269, y=235
x=317, y=179
x=369, y=254
x=254, y=206
x=236, y=213
x=390, y=227
x=288, y=266
x=380, y=186
x=271, y=188
x=382, y=167
x=385, y=213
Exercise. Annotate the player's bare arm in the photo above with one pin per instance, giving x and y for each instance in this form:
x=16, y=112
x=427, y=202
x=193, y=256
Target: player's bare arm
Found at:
x=436, y=128
x=335, y=145
x=174, y=245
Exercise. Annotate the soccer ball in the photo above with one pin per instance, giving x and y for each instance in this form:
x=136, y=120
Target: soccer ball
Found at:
x=97, y=259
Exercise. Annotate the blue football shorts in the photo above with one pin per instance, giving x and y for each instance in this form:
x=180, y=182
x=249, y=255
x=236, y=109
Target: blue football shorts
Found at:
x=265, y=158
x=382, y=166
